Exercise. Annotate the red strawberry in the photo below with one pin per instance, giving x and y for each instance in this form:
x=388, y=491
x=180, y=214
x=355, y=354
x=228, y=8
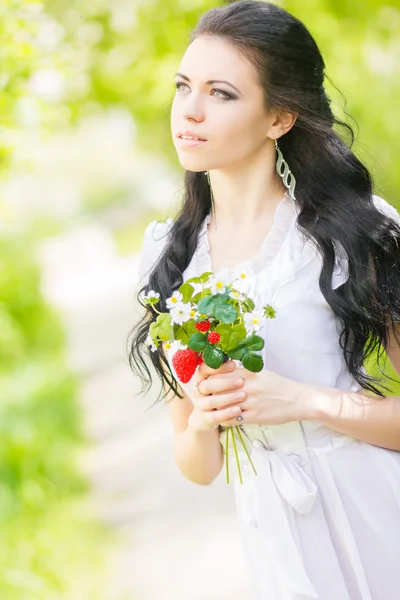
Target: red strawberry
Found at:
x=200, y=359
x=214, y=337
x=185, y=363
x=203, y=326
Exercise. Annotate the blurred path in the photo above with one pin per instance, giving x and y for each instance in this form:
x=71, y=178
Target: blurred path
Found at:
x=179, y=541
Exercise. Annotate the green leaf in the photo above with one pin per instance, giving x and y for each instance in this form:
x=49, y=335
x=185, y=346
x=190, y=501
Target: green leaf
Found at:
x=254, y=342
x=252, y=362
x=229, y=336
x=269, y=312
x=189, y=327
x=198, y=341
x=182, y=336
x=222, y=298
x=206, y=305
x=165, y=330
x=187, y=291
x=225, y=313
x=213, y=356
x=238, y=353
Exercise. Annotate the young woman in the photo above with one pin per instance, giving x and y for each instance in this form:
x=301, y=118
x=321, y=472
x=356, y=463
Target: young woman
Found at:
x=287, y=203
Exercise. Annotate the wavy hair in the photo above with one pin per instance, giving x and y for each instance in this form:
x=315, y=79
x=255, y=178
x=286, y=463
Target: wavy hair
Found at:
x=333, y=192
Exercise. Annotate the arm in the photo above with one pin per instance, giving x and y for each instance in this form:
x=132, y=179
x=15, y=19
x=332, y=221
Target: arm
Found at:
x=372, y=419
x=198, y=454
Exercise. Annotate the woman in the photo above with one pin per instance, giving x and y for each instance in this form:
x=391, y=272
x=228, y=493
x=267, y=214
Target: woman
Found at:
x=287, y=204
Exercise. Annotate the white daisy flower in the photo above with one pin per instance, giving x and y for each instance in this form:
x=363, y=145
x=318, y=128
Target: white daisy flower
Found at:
x=181, y=313
x=242, y=282
x=253, y=321
x=194, y=314
x=150, y=295
x=218, y=284
x=174, y=299
x=237, y=295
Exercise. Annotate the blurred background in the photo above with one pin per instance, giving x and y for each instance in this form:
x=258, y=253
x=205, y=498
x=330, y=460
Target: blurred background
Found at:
x=91, y=504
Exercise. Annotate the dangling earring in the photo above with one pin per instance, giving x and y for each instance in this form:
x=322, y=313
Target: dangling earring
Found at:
x=286, y=174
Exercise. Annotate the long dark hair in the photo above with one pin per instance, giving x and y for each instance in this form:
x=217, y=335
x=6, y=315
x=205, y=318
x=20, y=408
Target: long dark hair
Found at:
x=333, y=191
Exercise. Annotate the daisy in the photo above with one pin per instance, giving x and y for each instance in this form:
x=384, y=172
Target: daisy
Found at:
x=150, y=295
x=253, y=320
x=218, y=285
x=237, y=295
x=175, y=299
x=181, y=313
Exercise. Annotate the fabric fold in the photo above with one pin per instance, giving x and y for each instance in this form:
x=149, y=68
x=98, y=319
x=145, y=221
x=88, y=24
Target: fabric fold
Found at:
x=280, y=480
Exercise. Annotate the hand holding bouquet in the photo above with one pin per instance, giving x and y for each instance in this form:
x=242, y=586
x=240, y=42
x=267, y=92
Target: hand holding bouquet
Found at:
x=211, y=320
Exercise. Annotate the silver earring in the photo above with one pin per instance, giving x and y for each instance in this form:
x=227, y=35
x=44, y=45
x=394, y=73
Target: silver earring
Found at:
x=286, y=174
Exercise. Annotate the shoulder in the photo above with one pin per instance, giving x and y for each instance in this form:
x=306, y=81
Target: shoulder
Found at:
x=154, y=241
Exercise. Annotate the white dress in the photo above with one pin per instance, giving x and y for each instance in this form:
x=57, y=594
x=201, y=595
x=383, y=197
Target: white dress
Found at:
x=321, y=520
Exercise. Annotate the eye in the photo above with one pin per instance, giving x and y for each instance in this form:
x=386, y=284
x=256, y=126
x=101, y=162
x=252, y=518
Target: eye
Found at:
x=178, y=84
x=225, y=95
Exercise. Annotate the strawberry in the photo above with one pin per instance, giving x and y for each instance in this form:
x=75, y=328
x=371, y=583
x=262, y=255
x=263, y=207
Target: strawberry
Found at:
x=203, y=326
x=200, y=359
x=185, y=363
x=214, y=337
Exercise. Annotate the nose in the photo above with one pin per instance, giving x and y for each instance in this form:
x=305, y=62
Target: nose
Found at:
x=192, y=109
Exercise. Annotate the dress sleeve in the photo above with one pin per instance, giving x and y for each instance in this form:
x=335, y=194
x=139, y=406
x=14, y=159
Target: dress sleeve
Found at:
x=154, y=241
x=384, y=207
x=341, y=272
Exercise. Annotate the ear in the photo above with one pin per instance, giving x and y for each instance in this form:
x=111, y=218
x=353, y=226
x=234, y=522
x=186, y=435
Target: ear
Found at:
x=283, y=122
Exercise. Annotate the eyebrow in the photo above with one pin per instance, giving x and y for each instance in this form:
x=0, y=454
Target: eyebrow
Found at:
x=210, y=81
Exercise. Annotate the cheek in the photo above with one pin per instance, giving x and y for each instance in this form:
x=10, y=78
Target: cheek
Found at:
x=241, y=130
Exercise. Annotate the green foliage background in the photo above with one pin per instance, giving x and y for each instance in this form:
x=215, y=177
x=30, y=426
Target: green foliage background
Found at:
x=122, y=54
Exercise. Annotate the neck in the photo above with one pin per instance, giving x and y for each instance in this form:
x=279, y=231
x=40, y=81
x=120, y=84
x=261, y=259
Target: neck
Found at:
x=244, y=196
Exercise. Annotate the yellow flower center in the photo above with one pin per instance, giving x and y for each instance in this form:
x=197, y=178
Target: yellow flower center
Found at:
x=219, y=285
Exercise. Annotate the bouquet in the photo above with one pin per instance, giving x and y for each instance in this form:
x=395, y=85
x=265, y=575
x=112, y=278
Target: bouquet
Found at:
x=210, y=320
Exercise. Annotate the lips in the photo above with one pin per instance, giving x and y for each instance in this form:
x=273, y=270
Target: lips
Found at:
x=190, y=134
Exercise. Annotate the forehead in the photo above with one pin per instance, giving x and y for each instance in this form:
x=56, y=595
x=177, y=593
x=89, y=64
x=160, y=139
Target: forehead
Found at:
x=214, y=58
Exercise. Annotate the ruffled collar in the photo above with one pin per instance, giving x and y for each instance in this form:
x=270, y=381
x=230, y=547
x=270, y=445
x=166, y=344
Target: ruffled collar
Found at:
x=285, y=215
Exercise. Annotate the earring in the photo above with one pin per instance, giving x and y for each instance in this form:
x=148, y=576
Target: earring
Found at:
x=286, y=174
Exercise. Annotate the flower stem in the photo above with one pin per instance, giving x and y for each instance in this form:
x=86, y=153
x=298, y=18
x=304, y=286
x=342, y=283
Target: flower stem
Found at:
x=236, y=453
x=245, y=449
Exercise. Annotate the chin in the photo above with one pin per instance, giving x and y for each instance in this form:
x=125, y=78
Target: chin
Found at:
x=194, y=166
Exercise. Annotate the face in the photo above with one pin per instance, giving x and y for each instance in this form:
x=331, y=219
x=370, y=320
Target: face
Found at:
x=229, y=114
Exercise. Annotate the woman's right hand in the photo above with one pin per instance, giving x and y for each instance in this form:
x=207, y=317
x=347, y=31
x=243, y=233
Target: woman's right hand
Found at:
x=212, y=409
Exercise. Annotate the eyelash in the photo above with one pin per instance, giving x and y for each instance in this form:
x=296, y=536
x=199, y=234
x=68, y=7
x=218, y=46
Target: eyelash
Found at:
x=227, y=96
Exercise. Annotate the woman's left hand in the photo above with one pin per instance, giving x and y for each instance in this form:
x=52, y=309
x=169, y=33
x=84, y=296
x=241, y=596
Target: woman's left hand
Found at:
x=270, y=398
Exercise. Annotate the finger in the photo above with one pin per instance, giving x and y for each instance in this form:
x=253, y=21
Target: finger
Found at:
x=204, y=370
x=216, y=417
x=213, y=385
x=232, y=420
x=221, y=401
